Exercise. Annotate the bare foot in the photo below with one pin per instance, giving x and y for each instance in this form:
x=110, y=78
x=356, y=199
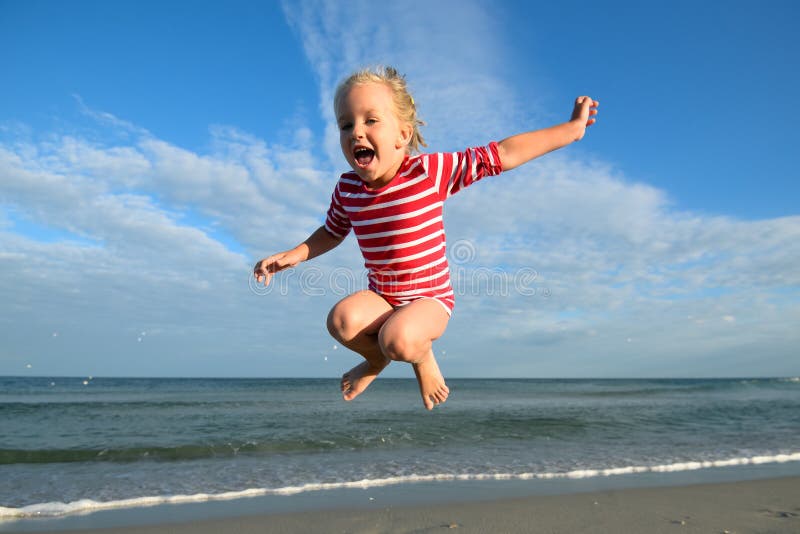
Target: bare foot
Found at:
x=356, y=380
x=431, y=382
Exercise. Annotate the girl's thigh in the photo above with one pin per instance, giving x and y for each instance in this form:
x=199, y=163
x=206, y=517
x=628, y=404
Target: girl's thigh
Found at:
x=421, y=321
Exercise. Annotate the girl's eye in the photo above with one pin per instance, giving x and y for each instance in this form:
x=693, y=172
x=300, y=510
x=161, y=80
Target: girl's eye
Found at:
x=371, y=121
x=345, y=126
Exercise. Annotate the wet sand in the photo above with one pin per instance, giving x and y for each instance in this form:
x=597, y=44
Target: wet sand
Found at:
x=755, y=506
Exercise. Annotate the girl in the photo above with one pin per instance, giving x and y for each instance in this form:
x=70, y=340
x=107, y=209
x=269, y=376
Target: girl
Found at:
x=392, y=200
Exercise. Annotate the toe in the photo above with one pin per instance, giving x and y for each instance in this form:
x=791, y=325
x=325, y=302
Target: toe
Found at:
x=350, y=392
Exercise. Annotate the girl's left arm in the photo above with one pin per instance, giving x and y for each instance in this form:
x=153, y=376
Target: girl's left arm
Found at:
x=521, y=148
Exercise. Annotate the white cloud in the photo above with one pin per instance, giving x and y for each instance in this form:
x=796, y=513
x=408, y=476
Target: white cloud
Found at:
x=617, y=254
x=147, y=237
x=155, y=234
x=448, y=54
x=613, y=260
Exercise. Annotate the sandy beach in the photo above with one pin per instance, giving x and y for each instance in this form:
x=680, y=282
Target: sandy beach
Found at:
x=756, y=506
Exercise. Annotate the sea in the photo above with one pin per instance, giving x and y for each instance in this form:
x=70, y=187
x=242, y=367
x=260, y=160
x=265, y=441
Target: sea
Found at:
x=86, y=444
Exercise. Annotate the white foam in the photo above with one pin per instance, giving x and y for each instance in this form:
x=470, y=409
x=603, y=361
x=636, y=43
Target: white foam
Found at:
x=86, y=506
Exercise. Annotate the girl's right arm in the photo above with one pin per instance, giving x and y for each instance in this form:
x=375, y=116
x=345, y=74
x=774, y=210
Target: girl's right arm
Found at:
x=317, y=244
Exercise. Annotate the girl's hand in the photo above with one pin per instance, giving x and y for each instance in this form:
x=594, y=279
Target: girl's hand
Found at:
x=583, y=114
x=265, y=268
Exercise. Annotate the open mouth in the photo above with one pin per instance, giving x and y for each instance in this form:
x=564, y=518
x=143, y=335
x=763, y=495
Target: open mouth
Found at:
x=363, y=156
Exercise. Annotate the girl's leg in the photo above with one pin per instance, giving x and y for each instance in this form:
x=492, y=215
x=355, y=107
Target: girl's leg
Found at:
x=408, y=335
x=355, y=322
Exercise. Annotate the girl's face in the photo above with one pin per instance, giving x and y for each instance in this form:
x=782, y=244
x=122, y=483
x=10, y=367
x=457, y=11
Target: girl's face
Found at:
x=373, y=139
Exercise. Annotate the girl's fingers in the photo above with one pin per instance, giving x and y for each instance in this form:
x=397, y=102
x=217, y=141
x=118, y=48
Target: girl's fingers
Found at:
x=261, y=272
x=582, y=99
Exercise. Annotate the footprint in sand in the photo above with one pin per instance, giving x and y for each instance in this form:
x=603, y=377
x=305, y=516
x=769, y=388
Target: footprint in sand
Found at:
x=779, y=514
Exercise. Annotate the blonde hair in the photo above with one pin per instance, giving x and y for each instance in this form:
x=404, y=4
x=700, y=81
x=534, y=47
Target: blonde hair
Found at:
x=403, y=101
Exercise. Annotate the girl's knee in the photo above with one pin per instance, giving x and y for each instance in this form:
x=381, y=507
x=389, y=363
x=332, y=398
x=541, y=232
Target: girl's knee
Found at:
x=399, y=345
x=360, y=313
x=347, y=321
x=338, y=324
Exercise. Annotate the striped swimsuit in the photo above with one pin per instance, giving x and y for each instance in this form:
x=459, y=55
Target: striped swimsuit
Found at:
x=399, y=227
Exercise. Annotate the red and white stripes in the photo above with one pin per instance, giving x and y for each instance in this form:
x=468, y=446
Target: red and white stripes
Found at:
x=399, y=226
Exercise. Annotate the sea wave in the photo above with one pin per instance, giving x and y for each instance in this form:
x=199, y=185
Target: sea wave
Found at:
x=176, y=453
x=624, y=388
x=87, y=506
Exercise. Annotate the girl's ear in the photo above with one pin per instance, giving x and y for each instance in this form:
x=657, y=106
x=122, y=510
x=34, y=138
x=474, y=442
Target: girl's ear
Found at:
x=406, y=131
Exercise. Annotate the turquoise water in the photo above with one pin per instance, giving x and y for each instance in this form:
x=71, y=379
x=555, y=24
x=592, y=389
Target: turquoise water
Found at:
x=72, y=444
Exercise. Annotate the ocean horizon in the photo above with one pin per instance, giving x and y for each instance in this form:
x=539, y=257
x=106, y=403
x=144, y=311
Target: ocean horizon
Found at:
x=72, y=445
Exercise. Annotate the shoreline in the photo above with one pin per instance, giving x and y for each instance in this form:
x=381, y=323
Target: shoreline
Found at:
x=765, y=505
x=201, y=452
x=636, y=501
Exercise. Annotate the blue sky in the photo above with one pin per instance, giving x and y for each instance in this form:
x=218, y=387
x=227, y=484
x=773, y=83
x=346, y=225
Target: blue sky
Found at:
x=150, y=152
